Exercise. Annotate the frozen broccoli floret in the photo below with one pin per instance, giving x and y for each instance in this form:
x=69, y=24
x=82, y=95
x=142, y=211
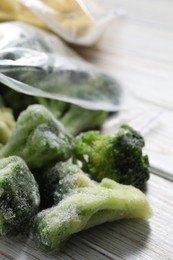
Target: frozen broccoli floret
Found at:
x=19, y=196
x=38, y=138
x=85, y=204
x=118, y=157
x=7, y=123
x=59, y=180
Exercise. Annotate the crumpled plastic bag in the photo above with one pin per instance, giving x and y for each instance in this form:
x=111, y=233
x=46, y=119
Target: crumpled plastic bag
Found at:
x=76, y=21
x=38, y=63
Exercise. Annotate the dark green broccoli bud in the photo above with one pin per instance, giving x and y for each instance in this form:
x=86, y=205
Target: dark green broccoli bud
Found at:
x=118, y=157
x=1, y=102
x=59, y=180
x=19, y=196
x=15, y=100
x=7, y=124
x=38, y=138
x=85, y=204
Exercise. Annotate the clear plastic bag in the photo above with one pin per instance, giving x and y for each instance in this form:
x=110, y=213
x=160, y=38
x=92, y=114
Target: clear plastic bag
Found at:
x=37, y=63
x=77, y=21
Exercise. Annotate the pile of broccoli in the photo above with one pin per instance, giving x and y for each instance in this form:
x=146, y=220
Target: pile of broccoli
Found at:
x=39, y=171
x=74, y=118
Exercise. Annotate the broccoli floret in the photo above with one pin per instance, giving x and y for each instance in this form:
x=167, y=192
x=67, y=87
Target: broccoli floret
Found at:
x=19, y=196
x=7, y=123
x=85, y=204
x=118, y=157
x=38, y=138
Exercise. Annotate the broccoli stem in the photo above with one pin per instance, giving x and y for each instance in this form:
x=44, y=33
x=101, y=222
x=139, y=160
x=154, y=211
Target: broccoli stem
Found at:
x=78, y=119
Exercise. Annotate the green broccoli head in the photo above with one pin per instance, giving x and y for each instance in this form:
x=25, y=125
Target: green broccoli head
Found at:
x=85, y=203
x=19, y=196
x=118, y=157
x=38, y=138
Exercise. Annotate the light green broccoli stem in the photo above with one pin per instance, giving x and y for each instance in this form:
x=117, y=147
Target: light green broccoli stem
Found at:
x=38, y=138
x=86, y=207
x=19, y=196
x=7, y=124
x=78, y=119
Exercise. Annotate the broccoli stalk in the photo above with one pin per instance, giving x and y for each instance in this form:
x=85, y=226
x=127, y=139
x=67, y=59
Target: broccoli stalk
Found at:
x=58, y=108
x=85, y=203
x=19, y=196
x=78, y=119
x=118, y=157
x=38, y=138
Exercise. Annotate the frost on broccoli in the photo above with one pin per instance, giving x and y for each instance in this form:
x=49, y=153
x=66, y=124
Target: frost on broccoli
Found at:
x=38, y=138
x=85, y=203
x=19, y=196
x=118, y=157
x=59, y=180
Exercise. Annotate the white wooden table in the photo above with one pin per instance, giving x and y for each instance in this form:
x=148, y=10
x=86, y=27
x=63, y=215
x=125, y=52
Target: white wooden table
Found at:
x=138, y=51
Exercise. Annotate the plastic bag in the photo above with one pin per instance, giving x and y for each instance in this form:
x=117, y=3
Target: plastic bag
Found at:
x=76, y=21
x=28, y=64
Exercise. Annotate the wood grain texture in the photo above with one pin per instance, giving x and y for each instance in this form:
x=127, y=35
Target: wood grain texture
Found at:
x=138, y=51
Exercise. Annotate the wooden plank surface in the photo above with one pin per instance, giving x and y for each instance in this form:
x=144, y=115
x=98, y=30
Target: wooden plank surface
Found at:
x=138, y=51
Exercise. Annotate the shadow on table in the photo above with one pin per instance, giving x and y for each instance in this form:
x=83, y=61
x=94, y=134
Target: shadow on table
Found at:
x=126, y=239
